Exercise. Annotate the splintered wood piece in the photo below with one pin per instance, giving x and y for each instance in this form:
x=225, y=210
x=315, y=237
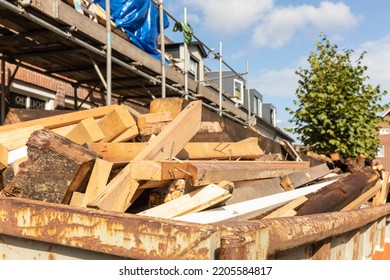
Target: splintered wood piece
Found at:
x=302, y=177
x=97, y=182
x=115, y=123
x=199, y=173
x=56, y=167
x=86, y=131
x=189, y=203
x=17, y=138
x=287, y=209
x=173, y=105
x=61, y=120
x=363, y=198
x=167, y=144
x=339, y=194
x=146, y=119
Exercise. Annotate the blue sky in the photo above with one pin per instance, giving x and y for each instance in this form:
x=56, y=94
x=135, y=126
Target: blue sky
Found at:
x=277, y=36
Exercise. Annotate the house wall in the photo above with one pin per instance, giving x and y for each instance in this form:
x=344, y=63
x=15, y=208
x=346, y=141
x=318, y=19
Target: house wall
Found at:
x=385, y=141
x=62, y=92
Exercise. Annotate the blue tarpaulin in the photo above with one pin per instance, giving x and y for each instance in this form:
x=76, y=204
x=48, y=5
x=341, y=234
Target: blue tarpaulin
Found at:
x=140, y=20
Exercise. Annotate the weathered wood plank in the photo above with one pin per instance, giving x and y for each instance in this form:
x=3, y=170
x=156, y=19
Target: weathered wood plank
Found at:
x=340, y=193
x=173, y=105
x=299, y=178
x=363, y=198
x=86, y=131
x=251, y=189
x=168, y=143
x=189, y=203
x=200, y=173
x=56, y=167
x=61, y=120
x=381, y=196
x=146, y=119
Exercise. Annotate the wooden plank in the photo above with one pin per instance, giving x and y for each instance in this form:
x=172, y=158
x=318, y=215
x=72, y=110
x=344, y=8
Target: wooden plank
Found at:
x=251, y=189
x=86, y=131
x=302, y=177
x=61, y=120
x=199, y=173
x=56, y=167
x=189, y=203
x=64, y=130
x=17, y=115
x=316, y=156
x=363, y=198
x=248, y=209
x=117, y=152
x=97, y=182
x=115, y=123
x=3, y=157
x=245, y=149
x=339, y=194
x=286, y=210
x=381, y=197
x=168, y=143
x=127, y=135
x=146, y=119
x=172, y=105
x=77, y=199
x=17, y=138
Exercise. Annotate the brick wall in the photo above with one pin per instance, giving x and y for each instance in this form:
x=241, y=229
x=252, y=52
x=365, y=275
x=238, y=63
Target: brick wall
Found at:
x=385, y=141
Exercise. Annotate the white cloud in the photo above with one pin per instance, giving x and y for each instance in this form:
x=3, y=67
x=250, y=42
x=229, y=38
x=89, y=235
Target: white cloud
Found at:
x=283, y=23
x=232, y=16
x=377, y=60
x=272, y=83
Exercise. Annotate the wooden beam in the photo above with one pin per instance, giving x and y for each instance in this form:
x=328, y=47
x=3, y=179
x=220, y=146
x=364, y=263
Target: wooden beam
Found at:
x=168, y=143
x=339, y=194
x=61, y=120
x=322, y=158
x=199, y=173
x=3, y=157
x=173, y=105
x=17, y=138
x=251, y=189
x=97, y=182
x=115, y=123
x=302, y=177
x=192, y=202
x=146, y=119
x=363, y=198
x=381, y=197
x=56, y=167
x=86, y=131
x=245, y=149
x=248, y=209
x=127, y=135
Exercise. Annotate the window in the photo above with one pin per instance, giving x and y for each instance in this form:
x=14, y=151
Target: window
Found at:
x=260, y=108
x=24, y=95
x=255, y=106
x=193, y=68
x=273, y=117
x=238, y=90
x=381, y=151
x=384, y=131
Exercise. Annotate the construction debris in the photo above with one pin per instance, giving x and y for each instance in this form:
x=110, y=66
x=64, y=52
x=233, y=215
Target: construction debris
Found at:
x=100, y=158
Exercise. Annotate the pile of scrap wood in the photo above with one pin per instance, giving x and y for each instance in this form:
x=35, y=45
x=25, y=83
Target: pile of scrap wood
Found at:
x=114, y=158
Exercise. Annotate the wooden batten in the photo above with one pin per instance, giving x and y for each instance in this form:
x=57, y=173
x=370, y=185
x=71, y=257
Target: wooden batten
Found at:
x=363, y=198
x=86, y=131
x=61, y=120
x=3, y=157
x=287, y=210
x=17, y=138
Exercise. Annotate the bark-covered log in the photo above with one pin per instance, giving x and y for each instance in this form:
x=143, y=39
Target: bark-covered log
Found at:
x=54, y=169
x=340, y=193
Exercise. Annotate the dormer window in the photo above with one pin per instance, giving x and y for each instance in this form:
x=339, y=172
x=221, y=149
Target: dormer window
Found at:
x=238, y=90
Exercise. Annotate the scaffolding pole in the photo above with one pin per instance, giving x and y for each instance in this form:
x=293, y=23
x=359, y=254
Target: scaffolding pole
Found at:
x=185, y=59
x=162, y=44
x=220, y=79
x=109, y=52
x=248, y=92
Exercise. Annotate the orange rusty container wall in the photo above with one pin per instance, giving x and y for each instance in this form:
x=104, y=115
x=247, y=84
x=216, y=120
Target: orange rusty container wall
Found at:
x=383, y=255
